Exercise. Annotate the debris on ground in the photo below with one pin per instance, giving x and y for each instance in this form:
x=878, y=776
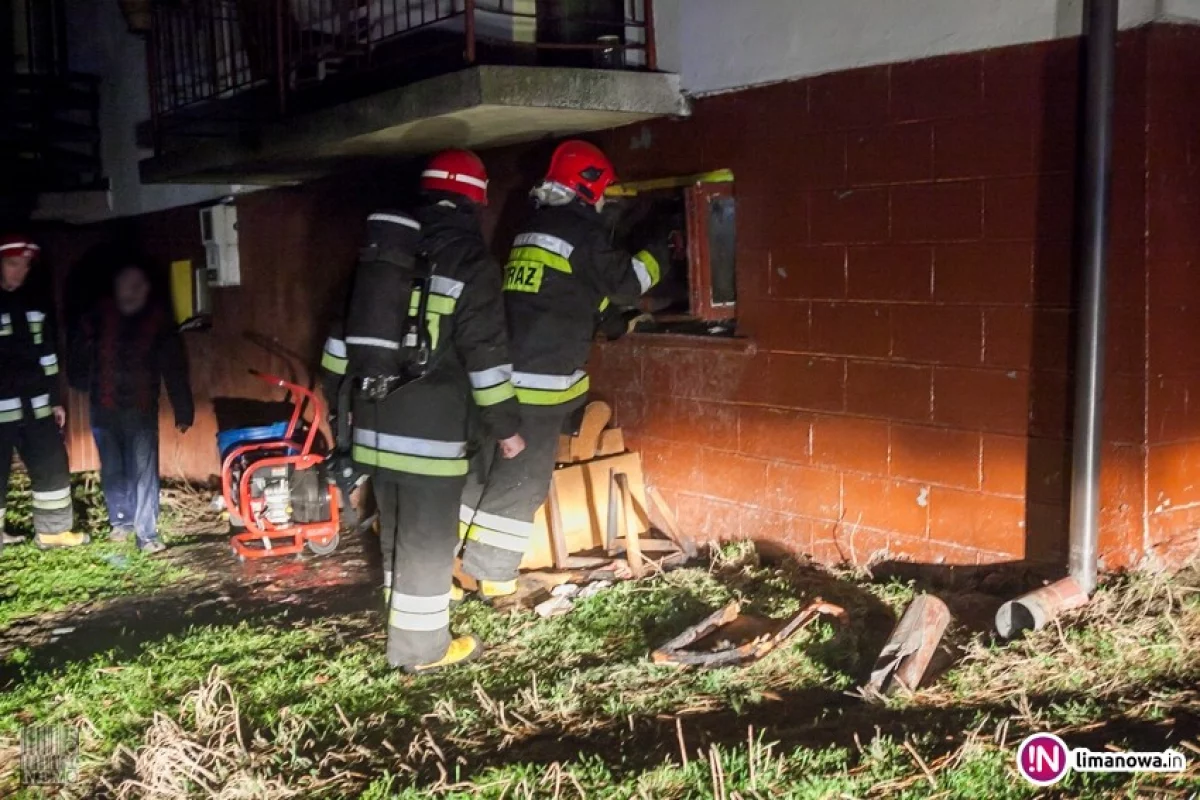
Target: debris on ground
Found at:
x=721, y=629
x=1031, y=612
x=905, y=658
x=564, y=596
x=554, y=607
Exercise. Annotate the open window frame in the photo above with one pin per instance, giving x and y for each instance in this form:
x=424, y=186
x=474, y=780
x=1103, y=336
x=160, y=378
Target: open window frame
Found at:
x=710, y=231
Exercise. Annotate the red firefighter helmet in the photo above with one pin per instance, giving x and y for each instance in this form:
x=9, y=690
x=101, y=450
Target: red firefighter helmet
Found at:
x=583, y=168
x=458, y=171
x=18, y=245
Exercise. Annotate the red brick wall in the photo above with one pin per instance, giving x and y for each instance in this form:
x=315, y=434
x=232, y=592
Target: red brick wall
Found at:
x=1173, y=201
x=903, y=389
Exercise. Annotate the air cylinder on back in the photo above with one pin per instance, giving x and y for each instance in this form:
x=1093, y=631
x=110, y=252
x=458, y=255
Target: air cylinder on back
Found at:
x=380, y=327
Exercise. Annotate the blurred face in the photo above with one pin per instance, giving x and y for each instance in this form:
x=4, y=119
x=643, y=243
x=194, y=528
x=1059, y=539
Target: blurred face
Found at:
x=13, y=271
x=131, y=290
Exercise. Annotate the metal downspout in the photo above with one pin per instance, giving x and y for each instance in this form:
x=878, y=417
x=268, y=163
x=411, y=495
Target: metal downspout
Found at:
x=1100, y=21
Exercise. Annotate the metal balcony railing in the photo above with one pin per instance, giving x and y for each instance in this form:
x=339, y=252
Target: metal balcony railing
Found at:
x=49, y=128
x=237, y=60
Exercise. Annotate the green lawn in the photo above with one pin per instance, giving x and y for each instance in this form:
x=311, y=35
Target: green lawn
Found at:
x=572, y=708
x=34, y=582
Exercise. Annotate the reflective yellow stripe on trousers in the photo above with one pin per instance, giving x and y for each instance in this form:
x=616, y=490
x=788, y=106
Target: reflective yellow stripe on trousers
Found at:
x=503, y=533
x=550, y=390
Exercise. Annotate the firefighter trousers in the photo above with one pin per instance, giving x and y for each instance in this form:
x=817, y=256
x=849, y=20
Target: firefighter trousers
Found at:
x=496, y=516
x=40, y=446
x=418, y=533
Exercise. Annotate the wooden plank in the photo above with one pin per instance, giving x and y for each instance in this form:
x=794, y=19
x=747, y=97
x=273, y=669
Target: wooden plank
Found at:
x=633, y=543
x=558, y=542
x=670, y=525
x=563, y=454
x=596, y=416
x=583, y=503
x=647, y=546
x=612, y=443
x=612, y=530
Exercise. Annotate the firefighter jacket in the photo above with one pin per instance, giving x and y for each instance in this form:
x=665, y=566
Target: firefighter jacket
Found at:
x=425, y=426
x=562, y=272
x=28, y=363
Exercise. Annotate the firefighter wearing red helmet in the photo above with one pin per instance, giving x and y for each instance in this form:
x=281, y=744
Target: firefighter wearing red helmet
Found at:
x=418, y=392
x=562, y=271
x=31, y=412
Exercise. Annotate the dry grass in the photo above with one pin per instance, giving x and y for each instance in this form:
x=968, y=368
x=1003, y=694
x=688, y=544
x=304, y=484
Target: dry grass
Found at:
x=203, y=753
x=1134, y=627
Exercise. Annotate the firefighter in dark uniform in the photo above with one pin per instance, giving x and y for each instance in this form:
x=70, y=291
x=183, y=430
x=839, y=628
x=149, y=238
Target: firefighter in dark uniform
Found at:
x=414, y=443
x=31, y=414
x=562, y=272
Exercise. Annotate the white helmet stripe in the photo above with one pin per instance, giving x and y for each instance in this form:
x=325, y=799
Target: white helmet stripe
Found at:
x=443, y=175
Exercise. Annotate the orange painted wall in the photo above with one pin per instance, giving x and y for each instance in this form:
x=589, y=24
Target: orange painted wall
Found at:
x=902, y=384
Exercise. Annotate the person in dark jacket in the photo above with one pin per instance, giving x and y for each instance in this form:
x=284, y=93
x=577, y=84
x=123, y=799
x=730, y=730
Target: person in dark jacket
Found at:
x=125, y=350
x=415, y=443
x=31, y=413
x=562, y=274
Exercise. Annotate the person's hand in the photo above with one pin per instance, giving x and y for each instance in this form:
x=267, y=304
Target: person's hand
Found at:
x=183, y=427
x=512, y=446
x=60, y=416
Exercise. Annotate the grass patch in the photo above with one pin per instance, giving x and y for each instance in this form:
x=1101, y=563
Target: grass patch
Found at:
x=571, y=707
x=33, y=582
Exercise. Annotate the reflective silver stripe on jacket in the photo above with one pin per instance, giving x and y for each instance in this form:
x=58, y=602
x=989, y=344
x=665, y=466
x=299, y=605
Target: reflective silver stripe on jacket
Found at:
x=335, y=347
x=554, y=383
x=643, y=275
x=447, y=286
x=491, y=377
x=35, y=316
x=396, y=218
x=408, y=445
x=371, y=341
x=547, y=242
x=12, y=404
x=41, y=401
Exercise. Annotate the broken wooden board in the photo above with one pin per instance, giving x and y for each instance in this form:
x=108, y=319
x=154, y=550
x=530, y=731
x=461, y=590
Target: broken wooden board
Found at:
x=676, y=651
x=582, y=491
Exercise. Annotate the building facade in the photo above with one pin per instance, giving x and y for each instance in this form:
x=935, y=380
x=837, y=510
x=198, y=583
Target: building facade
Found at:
x=900, y=383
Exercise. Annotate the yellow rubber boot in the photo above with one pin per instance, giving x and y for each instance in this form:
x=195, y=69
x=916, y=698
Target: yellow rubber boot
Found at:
x=49, y=541
x=462, y=650
x=492, y=591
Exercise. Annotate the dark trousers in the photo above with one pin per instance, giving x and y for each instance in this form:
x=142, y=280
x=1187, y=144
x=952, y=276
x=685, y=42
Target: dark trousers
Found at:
x=418, y=533
x=40, y=446
x=128, y=445
x=498, y=508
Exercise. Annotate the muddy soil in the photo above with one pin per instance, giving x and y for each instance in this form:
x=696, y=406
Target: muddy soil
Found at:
x=221, y=589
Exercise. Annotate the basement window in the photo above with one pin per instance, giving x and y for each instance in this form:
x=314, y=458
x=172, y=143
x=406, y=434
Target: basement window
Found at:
x=698, y=296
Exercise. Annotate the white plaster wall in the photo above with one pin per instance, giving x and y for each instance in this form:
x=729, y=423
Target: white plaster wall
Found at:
x=100, y=43
x=725, y=44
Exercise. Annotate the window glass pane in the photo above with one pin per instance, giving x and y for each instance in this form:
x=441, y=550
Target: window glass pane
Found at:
x=722, y=249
